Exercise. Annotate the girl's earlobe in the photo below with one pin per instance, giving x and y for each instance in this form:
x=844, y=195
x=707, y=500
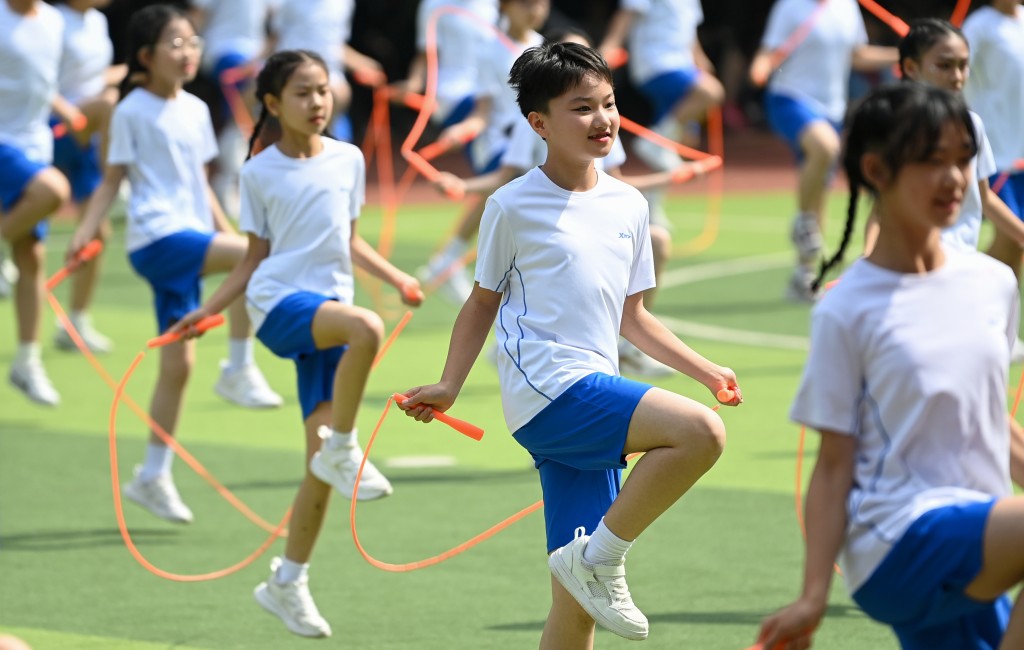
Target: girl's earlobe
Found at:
x=874, y=170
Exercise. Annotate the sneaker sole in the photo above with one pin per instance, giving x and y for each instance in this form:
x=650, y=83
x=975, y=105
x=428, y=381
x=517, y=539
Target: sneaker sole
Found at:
x=565, y=578
x=268, y=603
x=23, y=389
x=365, y=493
x=129, y=494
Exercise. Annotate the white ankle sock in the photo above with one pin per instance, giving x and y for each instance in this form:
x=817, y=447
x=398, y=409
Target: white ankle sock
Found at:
x=240, y=353
x=27, y=351
x=605, y=547
x=339, y=439
x=290, y=571
x=158, y=461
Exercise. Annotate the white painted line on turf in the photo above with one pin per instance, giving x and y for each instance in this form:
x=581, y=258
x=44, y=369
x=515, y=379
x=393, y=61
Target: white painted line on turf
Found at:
x=420, y=462
x=723, y=269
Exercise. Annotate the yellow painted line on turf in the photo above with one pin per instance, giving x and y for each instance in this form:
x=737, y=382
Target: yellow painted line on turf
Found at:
x=723, y=269
x=41, y=639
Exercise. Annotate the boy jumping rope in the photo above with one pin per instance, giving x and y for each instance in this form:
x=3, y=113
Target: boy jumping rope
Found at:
x=564, y=258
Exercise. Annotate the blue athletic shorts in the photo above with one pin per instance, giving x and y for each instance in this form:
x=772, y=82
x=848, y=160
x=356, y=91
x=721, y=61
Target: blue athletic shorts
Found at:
x=80, y=164
x=666, y=89
x=288, y=332
x=576, y=443
x=1011, y=192
x=173, y=266
x=16, y=172
x=788, y=117
x=918, y=587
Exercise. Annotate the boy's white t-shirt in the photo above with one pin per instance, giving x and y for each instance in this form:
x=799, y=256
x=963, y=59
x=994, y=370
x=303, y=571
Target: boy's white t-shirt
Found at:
x=817, y=71
x=460, y=40
x=318, y=25
x=662, y=36
x=526, y=149
x=915, y=368
x=565, y=263
x=30, y=51
x=233, y=26
x=304, y=207
x=964, y=234
x=165, y=145
x=995, y=87
x=88, y=53
x=495, y=63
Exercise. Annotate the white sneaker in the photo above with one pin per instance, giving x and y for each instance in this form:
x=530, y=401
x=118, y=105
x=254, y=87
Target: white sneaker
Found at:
x=96, y=342
x=805, y=233
x=246, y=387
x=635, y=362
x=599, y=588
x=30, y=378
x=8, y=276
x=799, y=287
x=339, y=467
x=1017, y=355
x=654, y=155
x=292, y=603
x=159, y=496
x=455, y=288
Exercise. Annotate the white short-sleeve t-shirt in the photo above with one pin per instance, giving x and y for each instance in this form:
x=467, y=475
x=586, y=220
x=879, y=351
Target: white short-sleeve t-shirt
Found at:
x=964, y=234
x=817, y=71
x=565, y=263
x=233, y=26
x=88, y=53
x=318, y=25
x=460, y=40
x=995, y=88
x=165, y=145
x=526, y=149
x=30, y=51
x=915, y=368
x=662, y=36
x=304, y=207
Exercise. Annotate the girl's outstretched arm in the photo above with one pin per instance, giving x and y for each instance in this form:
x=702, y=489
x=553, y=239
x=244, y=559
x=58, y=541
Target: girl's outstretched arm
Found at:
x=826, y=528
x=367, y=258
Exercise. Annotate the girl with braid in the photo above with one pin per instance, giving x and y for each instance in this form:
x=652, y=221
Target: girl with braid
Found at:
x=906, y=383
x=300, y=199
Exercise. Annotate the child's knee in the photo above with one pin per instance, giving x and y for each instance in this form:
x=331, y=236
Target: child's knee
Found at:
x=367, y=330
x=707, y=435
x=52, y=187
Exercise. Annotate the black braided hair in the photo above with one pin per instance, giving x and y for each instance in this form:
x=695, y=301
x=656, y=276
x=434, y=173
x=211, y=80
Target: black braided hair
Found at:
x=902, y=123
x=143, y=32
x=271, y=81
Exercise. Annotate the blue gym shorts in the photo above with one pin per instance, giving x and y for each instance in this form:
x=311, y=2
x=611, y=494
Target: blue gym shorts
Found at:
x=576, y=443
x=918, y=587
x=80, y=164
x=288, y=332
x=173, y=266
x=666, y=89
x=16, y=173
x=788, y=117
x=1012, y=192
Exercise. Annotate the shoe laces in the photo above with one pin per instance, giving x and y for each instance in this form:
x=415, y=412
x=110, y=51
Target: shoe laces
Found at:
x=298, y=600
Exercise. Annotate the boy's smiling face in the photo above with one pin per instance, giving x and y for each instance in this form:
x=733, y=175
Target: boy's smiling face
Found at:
x=580, y=124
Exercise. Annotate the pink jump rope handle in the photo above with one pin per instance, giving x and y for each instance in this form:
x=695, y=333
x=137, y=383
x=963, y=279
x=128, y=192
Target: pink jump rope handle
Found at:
x=204, y=324
x=89, y=251
x=463, y=427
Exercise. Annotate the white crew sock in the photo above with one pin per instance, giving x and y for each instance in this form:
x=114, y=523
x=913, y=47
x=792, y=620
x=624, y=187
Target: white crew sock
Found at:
x=290, y=571
x=605, y=547
x=240, y=353
x=341, y=439
x=158, y=461
x=27, y=351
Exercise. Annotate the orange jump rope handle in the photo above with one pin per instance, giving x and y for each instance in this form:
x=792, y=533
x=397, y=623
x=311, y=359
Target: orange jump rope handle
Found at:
x=463, y=427
x=726, y=395
x=203, y=325
x=89, y=251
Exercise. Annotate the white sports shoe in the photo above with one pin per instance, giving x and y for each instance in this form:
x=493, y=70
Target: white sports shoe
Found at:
x=635, y=362
x=30, y=378
x=805, y=233
x=246, y=387
x=1017, y=355
x=8, y=276
x=159, y=496
x=654, y=155
x=339, y=467
x=598, y=588
x=96, y=342
x=292, y=603
x=455, y=288
x=799, y=287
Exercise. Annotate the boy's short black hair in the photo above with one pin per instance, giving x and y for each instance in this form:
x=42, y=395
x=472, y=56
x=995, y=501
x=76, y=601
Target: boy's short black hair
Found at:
x=545, y=72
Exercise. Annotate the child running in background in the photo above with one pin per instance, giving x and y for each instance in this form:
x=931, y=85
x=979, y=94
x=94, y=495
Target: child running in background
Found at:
x=300, y=201
x=805, y=102
x=31, y=41
x=995, y=90
x=88, y=89
x=565, y=257
x=906, y=381
x=161, y=138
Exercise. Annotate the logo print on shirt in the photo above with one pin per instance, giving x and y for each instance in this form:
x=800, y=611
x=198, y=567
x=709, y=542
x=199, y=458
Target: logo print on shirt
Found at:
x=625, y=235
